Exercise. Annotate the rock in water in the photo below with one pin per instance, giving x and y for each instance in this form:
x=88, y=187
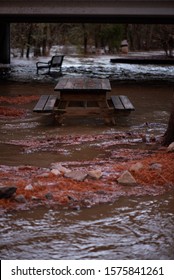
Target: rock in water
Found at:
x=136, y=167
x=7, y=192
x=20, y=198
x=95, y=174
x=155, y=166
x=55, y=171
x=60, y=168
x=126, y=178
x=76, y=175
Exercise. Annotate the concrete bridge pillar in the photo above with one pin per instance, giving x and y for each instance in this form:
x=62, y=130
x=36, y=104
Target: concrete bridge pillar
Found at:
x=5, y=42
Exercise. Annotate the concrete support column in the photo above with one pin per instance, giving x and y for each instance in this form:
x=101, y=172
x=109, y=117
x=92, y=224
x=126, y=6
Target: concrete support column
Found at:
x=5, y=42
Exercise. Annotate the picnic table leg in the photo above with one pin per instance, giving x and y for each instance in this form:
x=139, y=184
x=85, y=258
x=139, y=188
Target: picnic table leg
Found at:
x=110, y=120
x=59, y=119
x=61, y=110
x=104, y=108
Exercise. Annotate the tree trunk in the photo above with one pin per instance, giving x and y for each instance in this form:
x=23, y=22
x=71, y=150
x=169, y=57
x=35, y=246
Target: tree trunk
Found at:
x=85, y=38
x=169, y=134
x=22, y=51
x=37, y=51
x=29, y=40
x=44, y=40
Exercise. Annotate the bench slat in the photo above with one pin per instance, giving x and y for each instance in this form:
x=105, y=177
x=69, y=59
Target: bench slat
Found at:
x=41, y=103
x=122, y=102
x=126, y=102
x=49, y=106
x=117, y=102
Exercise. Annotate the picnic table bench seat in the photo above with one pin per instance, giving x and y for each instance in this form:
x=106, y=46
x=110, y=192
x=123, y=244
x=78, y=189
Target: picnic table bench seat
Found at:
x=121, y=103
x=55, y=62
x=46, y=104
x=117, y=104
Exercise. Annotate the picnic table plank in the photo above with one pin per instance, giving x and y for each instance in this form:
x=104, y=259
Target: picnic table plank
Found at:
x=127, y=104
x=106, y=85
x=49, y=106
x=83, y=84
x=117, y=102
x=62, y=83
x=41, y=103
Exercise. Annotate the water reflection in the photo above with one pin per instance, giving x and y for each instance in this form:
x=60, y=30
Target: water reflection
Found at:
x=131, y=228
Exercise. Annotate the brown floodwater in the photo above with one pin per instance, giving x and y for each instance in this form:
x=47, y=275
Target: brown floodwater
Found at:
x=152, y=107
x=130, y=228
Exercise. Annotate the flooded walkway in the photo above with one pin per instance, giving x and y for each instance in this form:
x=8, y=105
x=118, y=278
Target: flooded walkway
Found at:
x=97, y=66
x=152, y=104
x=136, y=227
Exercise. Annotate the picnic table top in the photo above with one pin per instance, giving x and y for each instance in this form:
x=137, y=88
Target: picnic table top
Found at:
x=83, y=84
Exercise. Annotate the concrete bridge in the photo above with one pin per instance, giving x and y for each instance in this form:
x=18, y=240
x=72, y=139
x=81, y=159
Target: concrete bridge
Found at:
x=97, y=11
x=87, y=10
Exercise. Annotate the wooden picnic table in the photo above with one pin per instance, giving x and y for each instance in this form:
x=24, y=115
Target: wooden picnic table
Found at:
x=83, y=96
x=81, y=88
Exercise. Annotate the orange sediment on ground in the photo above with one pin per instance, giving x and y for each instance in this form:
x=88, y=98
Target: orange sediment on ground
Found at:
x=11, y=112
x=68, y=192
x=160, y=176
x=18, y=100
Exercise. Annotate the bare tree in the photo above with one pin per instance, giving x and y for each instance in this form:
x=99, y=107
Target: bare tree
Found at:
x=164, y=35
x=29, y=39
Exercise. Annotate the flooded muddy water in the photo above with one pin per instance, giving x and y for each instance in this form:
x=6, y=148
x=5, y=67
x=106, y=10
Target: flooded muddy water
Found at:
x=152, y=103
x=129, y=228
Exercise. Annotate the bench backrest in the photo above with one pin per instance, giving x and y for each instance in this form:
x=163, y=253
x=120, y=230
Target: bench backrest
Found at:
x=57, y=60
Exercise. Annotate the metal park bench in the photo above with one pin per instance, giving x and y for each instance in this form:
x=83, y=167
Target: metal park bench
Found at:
x=55, y=62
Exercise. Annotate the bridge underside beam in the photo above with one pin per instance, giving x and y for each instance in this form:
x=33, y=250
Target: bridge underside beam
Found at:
x=90, y=19
x=109, y=11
